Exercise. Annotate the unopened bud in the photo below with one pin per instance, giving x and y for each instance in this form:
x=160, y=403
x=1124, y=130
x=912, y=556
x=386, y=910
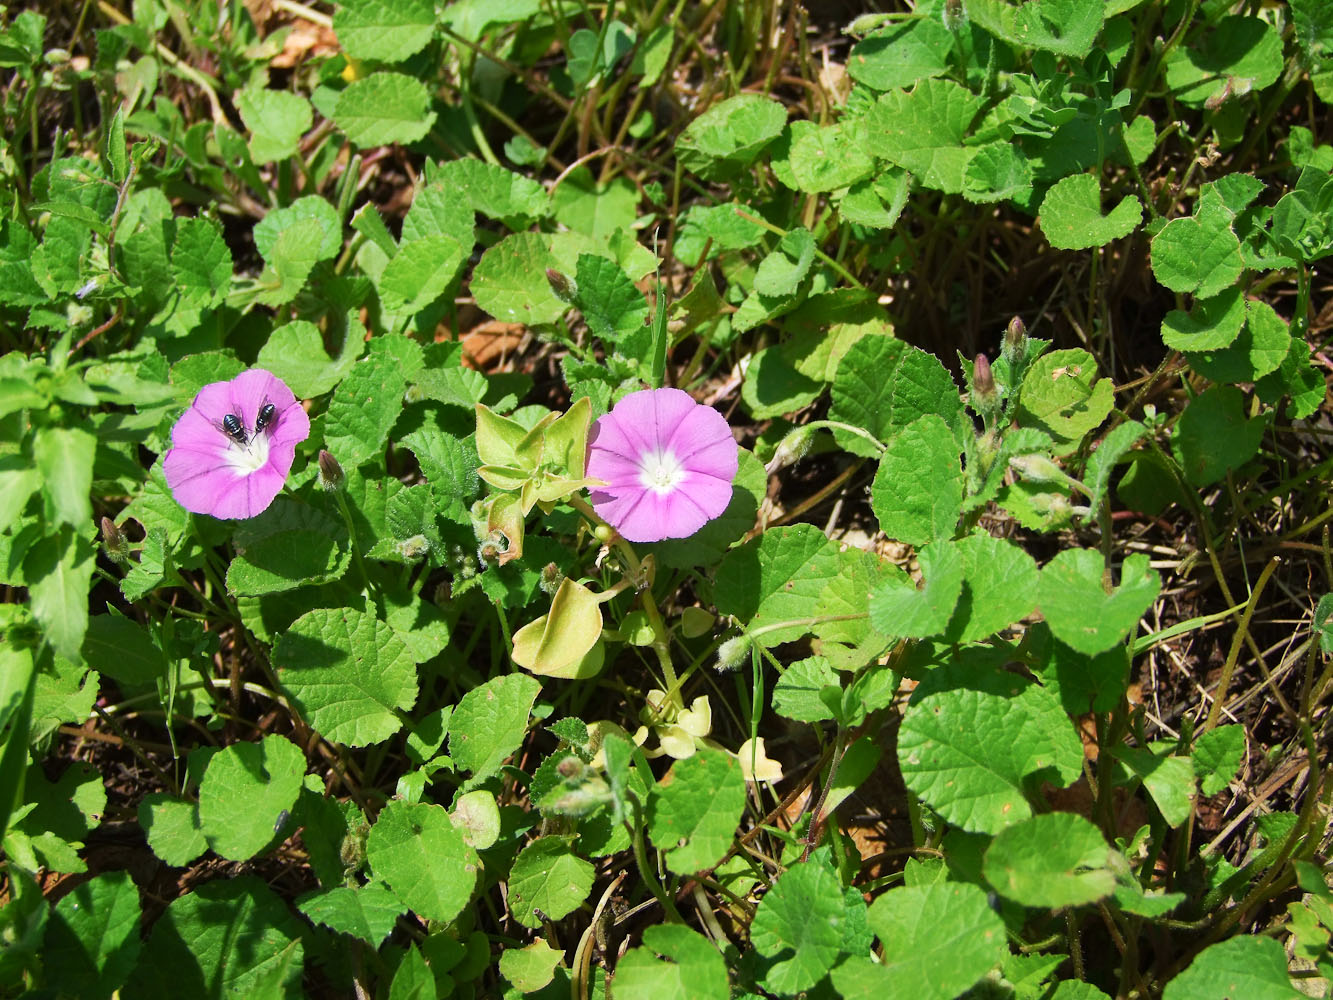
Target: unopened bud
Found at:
x=113, y=540
x=954, y=16
x=791, y=449
x=1053, y=505
x=1015, y=341
x=985, y=397
x=570, y=767
x=331, y=476
x=551, y=579
x=865, y=24
x=1038, y=469
x=732, y=653
x=414, y=547
x=564, y=288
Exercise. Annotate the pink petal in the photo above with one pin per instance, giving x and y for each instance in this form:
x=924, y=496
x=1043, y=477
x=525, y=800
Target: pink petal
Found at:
x=252, y=389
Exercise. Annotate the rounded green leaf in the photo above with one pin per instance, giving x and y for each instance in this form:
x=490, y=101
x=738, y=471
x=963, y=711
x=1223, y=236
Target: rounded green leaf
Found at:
x=246, y=788
x=510, y=282
x=1071, y=214
x=489, y=722
x=973, y=737
x=690, y=967
x=1244, y=967
x=918, y=490
x=1062, y=396
x=419, y=853
x=827, y=158
x=1260, y=348
x=1065, y=27
x=922, y=130
x=1214, y=436
x=797, y=694
x=1053, y=860
x=420, y=272
x=693, y=811
x=172, y=828
x=384, y=108
x=899, y=609
x=348, y=674
x=384, y=30
x=938, y=940
x=368, y=912
x=901, y=54
x=1199, y=255
x=882, y=385
x=1218, y=755
x=1082, y=612
x=799, y=927
x=276, y=119
x=366, y=405
x=548, y=881
x=92, y=938
x=999, y=587
x=290, y=545
x=730, y=135
x=231, y=937
x=1213, y=323
x=531, y=968
x=1240, y=55
x=997, y=172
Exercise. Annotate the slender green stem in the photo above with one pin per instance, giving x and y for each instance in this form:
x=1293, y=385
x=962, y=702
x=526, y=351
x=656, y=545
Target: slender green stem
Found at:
x=780, y=232
x=356, y=547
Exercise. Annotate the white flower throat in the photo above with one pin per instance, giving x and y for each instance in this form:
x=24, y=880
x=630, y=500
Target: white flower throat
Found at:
x=248, y=458
x=661, y=472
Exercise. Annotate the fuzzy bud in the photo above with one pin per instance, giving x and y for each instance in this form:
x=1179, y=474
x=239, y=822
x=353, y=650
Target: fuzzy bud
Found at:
x=732, y=653
x=113, y=540
x=414, y=548
x=551, y=579
x=954, y=16
x=570, y=768
x=331, y=476
x=1038, y=469
x=1015, y=341
x=791, y=449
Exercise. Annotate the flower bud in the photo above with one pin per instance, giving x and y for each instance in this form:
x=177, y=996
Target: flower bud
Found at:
x=570, y=768
x=1038, y=469
x=561, y=285
x=985, y=397
x=865, y=24
x=113, y=540
x=551, y=579
x=414, y=548
x=732, y=653
x=791, y=449
x=954, y=16
x=1015, y=341
x=331, y=476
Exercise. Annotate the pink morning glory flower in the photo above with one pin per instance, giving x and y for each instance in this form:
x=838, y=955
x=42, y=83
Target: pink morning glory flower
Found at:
x=232, y=449
x=668, y=464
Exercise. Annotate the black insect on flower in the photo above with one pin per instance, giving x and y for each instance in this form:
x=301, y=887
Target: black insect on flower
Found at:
x=234, y=429
x=268, y=415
